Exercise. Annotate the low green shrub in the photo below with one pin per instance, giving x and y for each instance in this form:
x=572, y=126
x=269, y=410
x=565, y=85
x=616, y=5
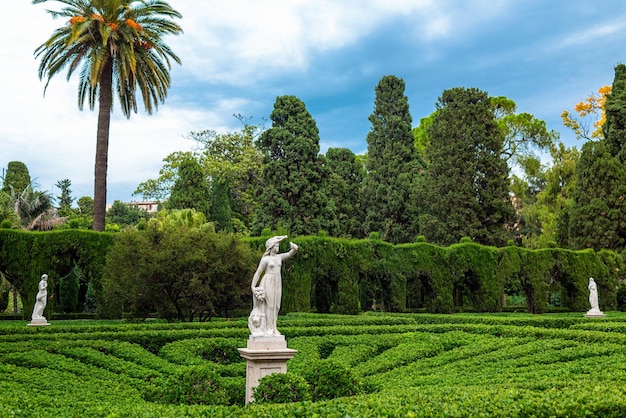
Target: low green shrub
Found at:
x=330, y=380
x=281, y=388
x=193, y=385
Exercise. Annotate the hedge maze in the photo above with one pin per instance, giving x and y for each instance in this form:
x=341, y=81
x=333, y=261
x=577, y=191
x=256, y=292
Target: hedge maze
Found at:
x=406, y=365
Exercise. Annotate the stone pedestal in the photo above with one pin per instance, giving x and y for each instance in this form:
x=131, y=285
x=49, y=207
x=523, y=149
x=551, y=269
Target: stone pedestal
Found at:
x=38, y=322
x=594, y=313
x=264, y=355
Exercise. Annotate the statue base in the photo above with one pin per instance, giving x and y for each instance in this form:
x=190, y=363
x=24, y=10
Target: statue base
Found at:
x=594, y=313
x=41, y=322
x=264, y=355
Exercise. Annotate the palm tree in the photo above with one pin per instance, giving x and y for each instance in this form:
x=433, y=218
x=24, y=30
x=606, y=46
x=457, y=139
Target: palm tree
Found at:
x=117, y=45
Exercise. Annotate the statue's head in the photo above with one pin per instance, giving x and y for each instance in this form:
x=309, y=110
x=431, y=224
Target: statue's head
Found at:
x=270, y=243
x=44, y=277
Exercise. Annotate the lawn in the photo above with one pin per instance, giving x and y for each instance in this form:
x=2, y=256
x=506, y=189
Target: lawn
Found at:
x=410, y=365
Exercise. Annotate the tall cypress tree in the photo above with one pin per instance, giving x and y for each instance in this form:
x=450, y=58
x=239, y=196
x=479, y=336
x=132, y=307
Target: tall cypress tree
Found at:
x=614, y=128
x=393, y=165
x=346, y=175
x=16, y=178
x=466, y=188
x=221, y=212
x=294, y=176
x=598, y=215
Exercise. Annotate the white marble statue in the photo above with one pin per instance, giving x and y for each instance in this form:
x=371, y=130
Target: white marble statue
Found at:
x=267, y=292
x=41, y=299
x=593, y=300
x=593, y=294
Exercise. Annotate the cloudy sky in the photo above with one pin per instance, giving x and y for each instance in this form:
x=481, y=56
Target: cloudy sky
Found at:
x=239, y=55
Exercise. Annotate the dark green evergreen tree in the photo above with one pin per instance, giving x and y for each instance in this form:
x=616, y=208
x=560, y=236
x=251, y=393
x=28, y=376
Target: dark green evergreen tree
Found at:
x=221, y=205
x=393, y=164
x=614, y=128
x=294, y=176
x=191, y=190
x=16, y=178
x=346, y=175
x=465, y=193
x=66, y=199
x=598, y=215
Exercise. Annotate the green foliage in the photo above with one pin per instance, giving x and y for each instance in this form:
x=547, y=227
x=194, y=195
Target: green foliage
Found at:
x=614, y=128
x=281, y=388
x=221, y=206
x=424, y=365
x=16, y=177
x=598, y=215
x=393, y=166
x=523, y=133
x=329, y=380
x=125, y=215
x=69, y=286
x=465, y=162
x=65, y=200
x=85, y=206
x=294, y=175
x=346, y=175
x=621, y=297
x=194, y=385
x=191, y=189
x=5, y=289
x=181, y=273
x=25, y=256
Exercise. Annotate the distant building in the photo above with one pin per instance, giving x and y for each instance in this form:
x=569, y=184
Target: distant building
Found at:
x=150, y=206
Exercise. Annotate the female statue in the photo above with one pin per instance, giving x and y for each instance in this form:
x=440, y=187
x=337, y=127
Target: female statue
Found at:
x=41, y=298
x=593, y=295
x=268, y=292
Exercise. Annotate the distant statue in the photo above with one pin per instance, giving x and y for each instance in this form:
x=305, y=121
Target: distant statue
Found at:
x=41, y=299
x=267, y=293
x=595, y=311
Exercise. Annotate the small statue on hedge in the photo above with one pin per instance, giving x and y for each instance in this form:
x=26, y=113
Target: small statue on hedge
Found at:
x=267, y=293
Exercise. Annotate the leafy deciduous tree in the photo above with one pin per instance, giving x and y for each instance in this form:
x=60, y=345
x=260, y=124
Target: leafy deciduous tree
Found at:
x=179, y=272
x=589, y=110
x=125, y=215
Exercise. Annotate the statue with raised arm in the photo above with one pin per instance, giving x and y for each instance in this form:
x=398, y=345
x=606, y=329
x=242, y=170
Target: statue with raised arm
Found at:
x=267, y=289
x=41, y=299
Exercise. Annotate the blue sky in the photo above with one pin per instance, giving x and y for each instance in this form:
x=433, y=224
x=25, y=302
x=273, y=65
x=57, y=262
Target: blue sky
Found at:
x=238, y=56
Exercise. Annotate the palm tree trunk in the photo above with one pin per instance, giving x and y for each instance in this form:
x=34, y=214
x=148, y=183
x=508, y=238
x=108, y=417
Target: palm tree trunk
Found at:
x=102, y=147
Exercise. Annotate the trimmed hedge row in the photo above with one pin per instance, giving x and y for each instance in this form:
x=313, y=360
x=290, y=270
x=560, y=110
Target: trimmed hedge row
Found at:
x=331, y=275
